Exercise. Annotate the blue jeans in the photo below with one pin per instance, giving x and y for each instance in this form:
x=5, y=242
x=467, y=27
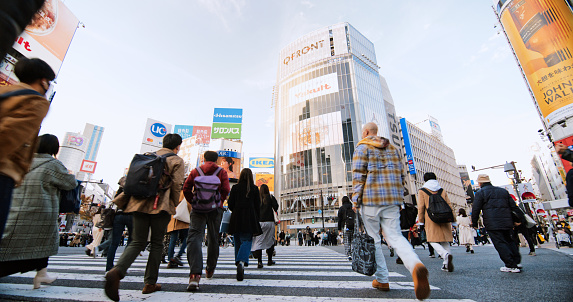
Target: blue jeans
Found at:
x=388, y=218
x=243, y=243
x=119, y=223
x=173, y=241
x=6, y=188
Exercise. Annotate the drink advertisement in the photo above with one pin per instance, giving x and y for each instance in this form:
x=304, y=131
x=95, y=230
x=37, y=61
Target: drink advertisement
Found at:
x=230, y=161
x=541, y=34
x=267, y=179
x=318, y=131
x=225, y=130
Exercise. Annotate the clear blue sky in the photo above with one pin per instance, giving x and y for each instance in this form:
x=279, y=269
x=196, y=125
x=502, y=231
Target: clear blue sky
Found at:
x=175, y=60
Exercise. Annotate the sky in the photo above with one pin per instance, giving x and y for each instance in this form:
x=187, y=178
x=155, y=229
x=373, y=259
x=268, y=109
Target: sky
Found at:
x=176, y=60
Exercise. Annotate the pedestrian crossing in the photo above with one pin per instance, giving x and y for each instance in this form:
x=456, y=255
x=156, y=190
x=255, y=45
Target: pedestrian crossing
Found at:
x=301, y=273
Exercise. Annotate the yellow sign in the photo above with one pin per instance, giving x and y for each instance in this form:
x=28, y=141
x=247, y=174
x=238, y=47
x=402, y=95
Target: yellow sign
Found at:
x=267, y=179
x=541, y=33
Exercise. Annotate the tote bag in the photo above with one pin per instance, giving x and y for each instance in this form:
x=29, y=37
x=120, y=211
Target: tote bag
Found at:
x=182, y=212
x=363, y=250
x=225, y=222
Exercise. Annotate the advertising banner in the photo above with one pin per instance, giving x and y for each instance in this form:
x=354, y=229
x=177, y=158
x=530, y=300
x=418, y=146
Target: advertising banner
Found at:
x=541, y=34
x=223, y=130
x=267, y=179
x=185, y=131
x=230, y=161
x=568, y=141
x=408, y=146
x=318, y=131
x=261, y=162
x=75, y=141
x=313, y=88
x=154, y=133
x=88, y=166
x=203, y=134
x=49, y=34
x=228, y=115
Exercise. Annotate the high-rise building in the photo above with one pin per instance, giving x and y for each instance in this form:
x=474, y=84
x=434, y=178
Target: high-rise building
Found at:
x=548, y=178
x=73, y=151
x=328, y=87
x=93, y=134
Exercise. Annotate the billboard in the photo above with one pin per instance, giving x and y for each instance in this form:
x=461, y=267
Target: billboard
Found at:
x=185, y=131
x=76, y=141
x=203, y=134
x=313, y=88
x=225, y=130
x=568, y=141
x=230, y=161
x=88, y=166
x=228, y=115
x=154, y=133
x=317, y=131
x=267, y=179
x=541, y=34
x=261, y=162
x=408, y=146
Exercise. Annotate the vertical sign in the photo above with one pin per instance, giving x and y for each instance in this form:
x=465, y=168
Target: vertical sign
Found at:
x=408, y=146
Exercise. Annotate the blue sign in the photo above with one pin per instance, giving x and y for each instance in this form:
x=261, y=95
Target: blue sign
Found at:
x=261, y=162
x=183, y=130
x=409, y=154
x=158, y=130
x=232, y=154
x=228, y=115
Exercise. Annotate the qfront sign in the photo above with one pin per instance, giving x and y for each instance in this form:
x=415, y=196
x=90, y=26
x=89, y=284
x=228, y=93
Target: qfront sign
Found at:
x=223, y=130
x=261, y=162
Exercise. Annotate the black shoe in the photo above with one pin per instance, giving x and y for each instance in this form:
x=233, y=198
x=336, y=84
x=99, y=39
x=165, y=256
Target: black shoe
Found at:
x=260, y=265
x=467, y=249
x=399, y=261
x=88, y=252
x=472, y=251
x=240, y=271
x=391, y=252
x=177, y=260
x=271, y=263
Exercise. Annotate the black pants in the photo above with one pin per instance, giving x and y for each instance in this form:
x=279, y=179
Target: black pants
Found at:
x=505, y=244
x=527, y=234
x=22, y=266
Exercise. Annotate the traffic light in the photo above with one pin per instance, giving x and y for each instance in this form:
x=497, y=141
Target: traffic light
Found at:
x=312, y=219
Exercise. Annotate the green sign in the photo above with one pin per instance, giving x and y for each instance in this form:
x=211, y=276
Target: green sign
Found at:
x=223, y=130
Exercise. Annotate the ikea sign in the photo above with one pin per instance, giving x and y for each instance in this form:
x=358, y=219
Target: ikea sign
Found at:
x=261, y=162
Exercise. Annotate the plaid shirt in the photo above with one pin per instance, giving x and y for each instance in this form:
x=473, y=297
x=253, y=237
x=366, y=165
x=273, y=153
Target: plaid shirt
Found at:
x=377, y=173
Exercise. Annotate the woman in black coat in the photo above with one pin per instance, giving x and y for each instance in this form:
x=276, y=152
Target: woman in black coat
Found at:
x=244, y=202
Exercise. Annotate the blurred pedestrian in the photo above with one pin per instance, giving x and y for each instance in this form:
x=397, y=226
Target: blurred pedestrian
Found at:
x=300, y=237
x=22, y=109
x=266, y=241
x=211, y=220
x=497, y=206
x=121, y=221
x=466, y=232
x=177, y=229
x=378, y=188
x=346, y=223
x=31, y=234
x=97, y=233
x=153, y=214
x=567, y=154
x=439, y=235
x=244, y=203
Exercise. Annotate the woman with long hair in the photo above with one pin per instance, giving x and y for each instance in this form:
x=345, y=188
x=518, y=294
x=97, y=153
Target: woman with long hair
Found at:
x=266, y=241
x=31, y=233
x=244, y=202
x=466, y=233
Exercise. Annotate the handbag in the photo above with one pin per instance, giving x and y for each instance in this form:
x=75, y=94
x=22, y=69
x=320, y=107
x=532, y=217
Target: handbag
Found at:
x=363, y=250
x=182, y=212
x=70, y=200
x=225, y=221
x=277, y=219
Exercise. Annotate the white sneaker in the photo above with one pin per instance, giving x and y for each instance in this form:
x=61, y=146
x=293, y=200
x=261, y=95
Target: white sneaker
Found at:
x=509, y=270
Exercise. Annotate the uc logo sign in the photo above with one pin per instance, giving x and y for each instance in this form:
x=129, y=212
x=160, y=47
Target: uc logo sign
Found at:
x=262, y=162
x=158, y=130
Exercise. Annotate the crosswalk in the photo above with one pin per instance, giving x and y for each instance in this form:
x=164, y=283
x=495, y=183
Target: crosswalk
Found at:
x=301, y=274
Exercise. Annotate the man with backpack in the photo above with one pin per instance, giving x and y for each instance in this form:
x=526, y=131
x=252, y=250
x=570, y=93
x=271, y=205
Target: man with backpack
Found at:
x=206, y=189
x=22, y=110
x=149, y=212
x=346, y=221
x=497, y=206
x=378, y=188
x=435, y=212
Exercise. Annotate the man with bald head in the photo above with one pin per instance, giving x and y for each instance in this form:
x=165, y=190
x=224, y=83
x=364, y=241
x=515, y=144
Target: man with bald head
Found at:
x=378, y=191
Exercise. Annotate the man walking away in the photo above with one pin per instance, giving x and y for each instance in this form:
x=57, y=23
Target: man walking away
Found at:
x=378, y=187
x=149, y=213
x=346, y=222
x=199, y=220
x=497, y=205
x=439, y=235
x=22, y=110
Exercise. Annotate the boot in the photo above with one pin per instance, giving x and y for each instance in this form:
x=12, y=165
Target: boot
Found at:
x=43, y=277
x=467, y=248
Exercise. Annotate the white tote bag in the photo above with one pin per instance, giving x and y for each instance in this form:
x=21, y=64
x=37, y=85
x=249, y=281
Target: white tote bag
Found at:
x=182, y=212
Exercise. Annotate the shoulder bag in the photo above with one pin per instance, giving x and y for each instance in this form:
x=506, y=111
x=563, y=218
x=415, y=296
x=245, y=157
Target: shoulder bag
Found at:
x=363, y=249
x=182, y=212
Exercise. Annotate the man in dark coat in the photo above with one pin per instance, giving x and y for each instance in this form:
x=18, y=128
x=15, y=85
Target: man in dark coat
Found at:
x=346, y=223
x=497, y=206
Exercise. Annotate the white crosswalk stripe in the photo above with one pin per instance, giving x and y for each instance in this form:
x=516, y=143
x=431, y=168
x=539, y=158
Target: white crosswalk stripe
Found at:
x=301, y=269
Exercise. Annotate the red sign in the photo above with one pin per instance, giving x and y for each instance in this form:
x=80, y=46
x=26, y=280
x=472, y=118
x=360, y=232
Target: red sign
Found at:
x=203, y=134
x=569, y=212
x=88, y=166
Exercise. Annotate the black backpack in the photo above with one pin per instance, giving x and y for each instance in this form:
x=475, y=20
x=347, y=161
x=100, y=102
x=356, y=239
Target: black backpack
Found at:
x=349, y=216
x=144, y=174
x=438, y=209
x=408, y=216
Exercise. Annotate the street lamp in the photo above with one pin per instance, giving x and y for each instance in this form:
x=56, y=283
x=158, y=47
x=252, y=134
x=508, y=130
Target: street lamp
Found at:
x=510, y=169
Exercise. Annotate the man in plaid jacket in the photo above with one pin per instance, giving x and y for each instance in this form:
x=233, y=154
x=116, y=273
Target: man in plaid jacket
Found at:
x=378, y=188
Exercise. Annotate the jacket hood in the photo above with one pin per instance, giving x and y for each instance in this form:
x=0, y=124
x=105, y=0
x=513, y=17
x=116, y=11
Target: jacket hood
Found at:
x=432, y=185
x=375, y=141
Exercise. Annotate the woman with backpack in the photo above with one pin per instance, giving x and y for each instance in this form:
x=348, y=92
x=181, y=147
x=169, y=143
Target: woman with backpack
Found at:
x=244, y=202
x=31, y=233
x=266, y=241
x=439, y=234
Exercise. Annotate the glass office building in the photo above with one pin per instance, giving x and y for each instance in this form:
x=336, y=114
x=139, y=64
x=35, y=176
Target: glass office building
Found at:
x=328, y=87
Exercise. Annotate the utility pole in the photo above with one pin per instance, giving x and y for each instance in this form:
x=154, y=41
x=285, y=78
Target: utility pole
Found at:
x=322, y=209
